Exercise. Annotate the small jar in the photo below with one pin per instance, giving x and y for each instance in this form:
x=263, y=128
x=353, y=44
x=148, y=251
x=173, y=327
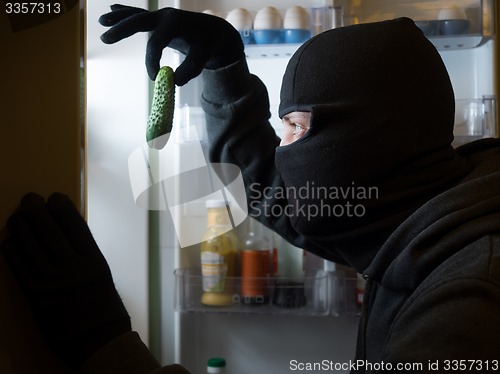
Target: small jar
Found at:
x=216, y=365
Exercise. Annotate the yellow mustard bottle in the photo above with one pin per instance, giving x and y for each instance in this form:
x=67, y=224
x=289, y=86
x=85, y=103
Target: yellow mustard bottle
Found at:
x=219, y=253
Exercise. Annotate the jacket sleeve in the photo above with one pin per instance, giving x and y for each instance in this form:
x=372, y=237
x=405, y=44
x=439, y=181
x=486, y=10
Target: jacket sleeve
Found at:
x=236, y=105
x=127, y=355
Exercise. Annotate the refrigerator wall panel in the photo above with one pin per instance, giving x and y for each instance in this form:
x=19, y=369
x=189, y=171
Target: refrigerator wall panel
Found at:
x=117, y=110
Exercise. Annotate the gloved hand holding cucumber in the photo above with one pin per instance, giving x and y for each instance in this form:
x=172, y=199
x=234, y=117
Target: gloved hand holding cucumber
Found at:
x=208, y=42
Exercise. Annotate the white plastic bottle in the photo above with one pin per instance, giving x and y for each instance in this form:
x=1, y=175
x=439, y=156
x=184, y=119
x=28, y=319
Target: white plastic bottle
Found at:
x=216, y=365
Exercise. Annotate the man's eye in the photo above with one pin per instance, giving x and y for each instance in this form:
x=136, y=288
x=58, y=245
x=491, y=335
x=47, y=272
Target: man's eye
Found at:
x=298, y=130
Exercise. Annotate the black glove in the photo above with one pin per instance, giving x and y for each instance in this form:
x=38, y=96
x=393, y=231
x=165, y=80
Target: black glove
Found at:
x=207, y=41
x=65, y=277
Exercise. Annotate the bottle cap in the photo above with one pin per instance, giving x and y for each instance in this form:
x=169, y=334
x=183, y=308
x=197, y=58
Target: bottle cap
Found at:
x=216, y=362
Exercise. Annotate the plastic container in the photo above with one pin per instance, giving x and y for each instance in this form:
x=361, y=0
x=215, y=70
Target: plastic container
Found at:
x=296, y=35
x=271, y=36
x=474, y=119
x=326, y=17
x=216, y=365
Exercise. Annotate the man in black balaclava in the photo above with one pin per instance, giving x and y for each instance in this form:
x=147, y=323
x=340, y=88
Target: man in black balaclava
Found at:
x=365, y=176
x=381, y=130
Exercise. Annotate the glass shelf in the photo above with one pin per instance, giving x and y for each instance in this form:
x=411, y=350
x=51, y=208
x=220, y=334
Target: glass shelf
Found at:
x=446, y=43
x=442, y=43
x=323, y=294
x=475, y=29
x=270, y=50
x=284, y=296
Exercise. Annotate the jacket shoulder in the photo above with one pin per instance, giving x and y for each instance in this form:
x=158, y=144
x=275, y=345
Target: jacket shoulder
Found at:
x=455, y=312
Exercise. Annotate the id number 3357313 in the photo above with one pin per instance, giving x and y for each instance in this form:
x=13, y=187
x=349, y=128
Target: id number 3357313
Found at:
x=33, y=8
x=469, y=365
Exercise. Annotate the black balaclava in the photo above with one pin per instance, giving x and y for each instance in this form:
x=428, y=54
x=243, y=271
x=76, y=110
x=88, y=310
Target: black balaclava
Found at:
x=379, y=144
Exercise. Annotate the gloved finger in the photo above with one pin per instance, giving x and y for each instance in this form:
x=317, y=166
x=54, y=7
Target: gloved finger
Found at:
x=157, y=42
x=121, y=6
x=44, y=230
x=154, y=51
x=16, y=263
x=145, y=21
x=119, y=13
x=72, y=224
x=25, y=255
x=193, y=64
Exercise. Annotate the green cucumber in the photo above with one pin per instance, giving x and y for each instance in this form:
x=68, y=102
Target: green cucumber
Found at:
x=162, y=109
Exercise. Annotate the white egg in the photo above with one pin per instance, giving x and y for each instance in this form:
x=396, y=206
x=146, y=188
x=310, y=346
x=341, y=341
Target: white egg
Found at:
x=297, y=17
x=240, y=19
x=454, y=12
x=268, y=18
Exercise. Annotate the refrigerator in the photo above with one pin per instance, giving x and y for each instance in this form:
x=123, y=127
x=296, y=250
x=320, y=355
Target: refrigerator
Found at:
x=153, y=247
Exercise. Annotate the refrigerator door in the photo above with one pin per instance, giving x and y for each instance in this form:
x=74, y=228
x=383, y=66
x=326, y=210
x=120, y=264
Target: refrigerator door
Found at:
x=42, y=150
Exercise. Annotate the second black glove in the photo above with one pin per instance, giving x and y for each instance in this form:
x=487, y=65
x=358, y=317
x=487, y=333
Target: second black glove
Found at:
x=65, y=277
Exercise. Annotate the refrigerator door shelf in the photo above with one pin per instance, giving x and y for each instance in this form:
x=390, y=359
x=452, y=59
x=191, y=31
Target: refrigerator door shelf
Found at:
x=305, y=296
x=475, y=29
x=325, y=294
x=270, y=50
x=457, y=18
x=442, y=43
x=446, y=43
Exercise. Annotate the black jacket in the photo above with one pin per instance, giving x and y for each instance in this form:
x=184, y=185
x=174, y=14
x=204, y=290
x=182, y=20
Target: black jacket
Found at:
x=434, y=286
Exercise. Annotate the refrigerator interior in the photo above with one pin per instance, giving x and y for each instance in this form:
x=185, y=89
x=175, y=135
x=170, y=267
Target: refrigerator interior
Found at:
x=142, y=246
